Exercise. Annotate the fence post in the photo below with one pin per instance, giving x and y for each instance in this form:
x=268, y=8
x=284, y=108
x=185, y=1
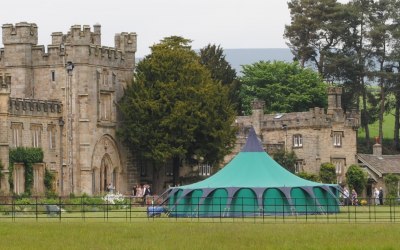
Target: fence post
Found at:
x=36, y=209
x=59, y=205
x=130, y=208
x=220, y=208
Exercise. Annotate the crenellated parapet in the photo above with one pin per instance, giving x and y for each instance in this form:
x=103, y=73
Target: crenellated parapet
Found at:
x=20, y=33
x=33, y=107
x=315, y=118
x=80, y=43
x=126, y=42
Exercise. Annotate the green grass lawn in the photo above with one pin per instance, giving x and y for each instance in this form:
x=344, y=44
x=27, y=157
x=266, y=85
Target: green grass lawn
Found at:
x=362, y=227
x=192, y=235
x=388, y=128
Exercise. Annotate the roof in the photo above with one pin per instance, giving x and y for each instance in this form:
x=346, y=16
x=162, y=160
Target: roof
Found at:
x=252, y=168
x=385, y=164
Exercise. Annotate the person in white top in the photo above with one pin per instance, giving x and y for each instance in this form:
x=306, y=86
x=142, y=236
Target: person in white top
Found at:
x=376, y=196
x=346, y=195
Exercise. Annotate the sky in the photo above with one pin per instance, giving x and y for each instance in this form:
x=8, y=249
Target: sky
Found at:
x=228, y=23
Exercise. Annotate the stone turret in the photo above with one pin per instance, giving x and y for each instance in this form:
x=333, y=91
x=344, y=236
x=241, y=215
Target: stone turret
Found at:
x=334, y=100
x=126, y=42
x=257, y=107
x=21, y=33
x=18, y=42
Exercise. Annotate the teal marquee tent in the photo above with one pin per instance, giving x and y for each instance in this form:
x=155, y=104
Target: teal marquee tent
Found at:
x=252, y=184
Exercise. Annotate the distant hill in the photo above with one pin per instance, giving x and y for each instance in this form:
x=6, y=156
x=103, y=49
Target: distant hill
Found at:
x=238, y=57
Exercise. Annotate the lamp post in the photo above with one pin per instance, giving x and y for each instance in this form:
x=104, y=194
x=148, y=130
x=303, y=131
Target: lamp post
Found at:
x=61, y=124
x=70, y=67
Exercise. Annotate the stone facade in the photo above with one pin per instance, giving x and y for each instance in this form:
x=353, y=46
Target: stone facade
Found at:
x=63, y=100
x=315, y=136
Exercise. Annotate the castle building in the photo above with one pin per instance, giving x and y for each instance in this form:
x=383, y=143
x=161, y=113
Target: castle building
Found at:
x=316, y=136
x=63, y=100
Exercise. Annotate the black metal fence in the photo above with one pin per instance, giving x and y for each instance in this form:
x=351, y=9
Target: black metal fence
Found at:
x=131, y=209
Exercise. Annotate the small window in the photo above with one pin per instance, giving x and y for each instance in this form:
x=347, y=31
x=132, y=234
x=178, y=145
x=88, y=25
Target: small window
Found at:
x=205, y=169
x=337, y=139
x=297, y=141
x=105, y=107
x=8, y=79
x=298, y=166
x=339, y=168
x=36, y=132
x=143, y=169
x=51, y=132
x=53, y=75
x=16, y=129
x=114, y=78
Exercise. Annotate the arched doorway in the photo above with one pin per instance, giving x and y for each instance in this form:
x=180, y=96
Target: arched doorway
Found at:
x=106, y=166
x=106, y=171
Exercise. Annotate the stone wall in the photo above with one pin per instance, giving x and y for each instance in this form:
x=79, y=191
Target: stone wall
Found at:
x=77, y=105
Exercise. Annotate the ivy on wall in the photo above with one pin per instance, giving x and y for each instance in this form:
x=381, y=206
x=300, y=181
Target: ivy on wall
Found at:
x=27, y=156
x=49, y=178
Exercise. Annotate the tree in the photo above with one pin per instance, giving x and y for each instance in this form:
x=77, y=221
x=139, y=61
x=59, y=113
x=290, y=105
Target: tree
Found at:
x=391, y=183
x=213, y=58
x=308, y=176
x=173, y=110
x=315, y=29
x=285, y=87
x=356, y=178
x=327, y=173
x=286, y=159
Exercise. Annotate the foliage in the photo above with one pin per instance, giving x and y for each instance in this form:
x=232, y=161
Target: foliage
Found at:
x=308, y=176
x=356, y=178
x=213, y=58
x=286, y=159
x=316, y=26
x=49, y=178
x=174, y=110
x=285, y=87
x=391, y=183
x=27, y=156
x=327, y=173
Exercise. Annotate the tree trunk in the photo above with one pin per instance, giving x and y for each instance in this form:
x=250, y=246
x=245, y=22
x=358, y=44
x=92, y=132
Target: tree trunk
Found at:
x=365, y=112
x=397, y=123
x=176, y=163
x=382, y=108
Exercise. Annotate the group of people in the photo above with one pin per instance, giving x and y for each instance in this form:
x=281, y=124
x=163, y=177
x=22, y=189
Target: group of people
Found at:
x=378, y=196
x=352, y=199
x=141, y=190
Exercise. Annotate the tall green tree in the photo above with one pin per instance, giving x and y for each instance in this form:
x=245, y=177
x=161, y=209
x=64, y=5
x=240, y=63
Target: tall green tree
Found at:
x=174, y=110
x=285, y=87
x=315, y=29
x=286, y=159
x=213, y=58
x=327, y=173
x=356, y=178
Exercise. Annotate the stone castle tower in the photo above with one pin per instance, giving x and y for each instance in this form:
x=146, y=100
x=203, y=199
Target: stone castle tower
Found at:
x=64, y=101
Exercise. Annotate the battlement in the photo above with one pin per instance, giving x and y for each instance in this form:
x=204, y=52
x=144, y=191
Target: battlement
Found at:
x=126, y=41
x=33, y=107
x=64, y=44
x=20, y=33
x=314, y=118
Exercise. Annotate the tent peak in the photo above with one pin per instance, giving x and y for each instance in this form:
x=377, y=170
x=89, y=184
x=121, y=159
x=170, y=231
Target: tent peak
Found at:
x=252, y=143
